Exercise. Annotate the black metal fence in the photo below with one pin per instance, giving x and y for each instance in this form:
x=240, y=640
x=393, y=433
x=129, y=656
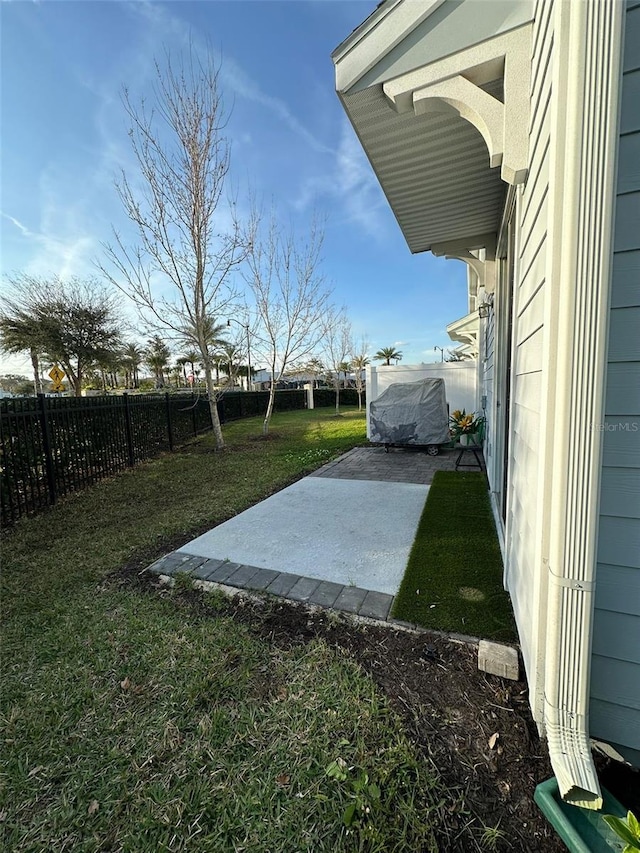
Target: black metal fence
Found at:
x=51, y=446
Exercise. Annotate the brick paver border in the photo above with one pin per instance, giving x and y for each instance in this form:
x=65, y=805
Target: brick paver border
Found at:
x=332, y=596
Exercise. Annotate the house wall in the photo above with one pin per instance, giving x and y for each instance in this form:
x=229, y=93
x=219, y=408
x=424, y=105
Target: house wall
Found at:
x=523, y=573
x=460, y=379
x=615, y=673
x=494, y=339
x=486, y=368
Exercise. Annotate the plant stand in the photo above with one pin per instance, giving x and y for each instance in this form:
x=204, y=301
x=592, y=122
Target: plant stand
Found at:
x=476, y=450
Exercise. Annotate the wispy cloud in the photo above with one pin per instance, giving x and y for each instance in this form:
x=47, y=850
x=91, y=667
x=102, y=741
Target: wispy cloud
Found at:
x=61, y=243
x=236, y=80
x=346, y=177
x=351, y=184
x=22, y=228
x=233, y=77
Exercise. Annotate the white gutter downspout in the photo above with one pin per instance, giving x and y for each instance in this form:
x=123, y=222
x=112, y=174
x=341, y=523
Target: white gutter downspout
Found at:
x=588, y=38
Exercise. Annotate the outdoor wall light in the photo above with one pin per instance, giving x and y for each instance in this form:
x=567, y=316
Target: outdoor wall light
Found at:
x=483, y=310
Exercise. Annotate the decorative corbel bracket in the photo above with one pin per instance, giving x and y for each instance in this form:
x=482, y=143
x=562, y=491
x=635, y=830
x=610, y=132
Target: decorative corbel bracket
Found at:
x=455, y=81
x=463, y=250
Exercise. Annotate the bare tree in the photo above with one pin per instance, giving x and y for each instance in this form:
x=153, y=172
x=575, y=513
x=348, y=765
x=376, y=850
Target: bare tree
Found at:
x=359, y=361
x=336, y=344
x=188, y=237
x=290, y=297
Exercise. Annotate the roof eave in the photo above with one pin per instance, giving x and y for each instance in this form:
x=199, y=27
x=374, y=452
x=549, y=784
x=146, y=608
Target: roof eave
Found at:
x=376, y=35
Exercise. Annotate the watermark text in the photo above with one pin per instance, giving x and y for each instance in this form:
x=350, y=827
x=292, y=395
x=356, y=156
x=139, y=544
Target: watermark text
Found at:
x=613, y=426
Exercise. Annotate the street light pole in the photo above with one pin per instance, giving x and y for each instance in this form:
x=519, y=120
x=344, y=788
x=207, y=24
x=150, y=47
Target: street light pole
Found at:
x=246, y=328
x=441, y=352
x=248, y=361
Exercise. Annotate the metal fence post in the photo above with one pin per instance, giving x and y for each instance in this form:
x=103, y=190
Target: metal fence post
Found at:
x=128, y=431
x=169, y=427
x=47, y=448
x=194, y=403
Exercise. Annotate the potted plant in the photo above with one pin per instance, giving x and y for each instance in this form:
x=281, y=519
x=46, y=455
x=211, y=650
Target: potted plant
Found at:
x=463, y=427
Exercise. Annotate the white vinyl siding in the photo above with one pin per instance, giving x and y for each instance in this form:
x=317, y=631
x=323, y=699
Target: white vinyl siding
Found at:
x=487, y=383
x=615, y=674
x=522, y=549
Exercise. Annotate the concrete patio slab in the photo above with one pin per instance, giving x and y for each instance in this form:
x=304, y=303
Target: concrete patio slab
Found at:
x=348, y=532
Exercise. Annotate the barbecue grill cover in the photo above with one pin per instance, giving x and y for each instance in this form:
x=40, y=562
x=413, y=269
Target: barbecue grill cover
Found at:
x=410, y=413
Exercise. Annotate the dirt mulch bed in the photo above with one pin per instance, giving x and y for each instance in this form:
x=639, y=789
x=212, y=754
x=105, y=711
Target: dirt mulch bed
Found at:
x=451, y=710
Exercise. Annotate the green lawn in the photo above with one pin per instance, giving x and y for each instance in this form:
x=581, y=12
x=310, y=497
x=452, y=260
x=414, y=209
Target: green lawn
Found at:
x=131, y=722
x=453, y=580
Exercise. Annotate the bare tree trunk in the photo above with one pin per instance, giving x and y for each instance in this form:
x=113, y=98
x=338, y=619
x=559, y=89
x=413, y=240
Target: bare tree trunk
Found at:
x=74, y=379
x=213, y=407
x=35, y=363
x=359, y=401
x=270, y=406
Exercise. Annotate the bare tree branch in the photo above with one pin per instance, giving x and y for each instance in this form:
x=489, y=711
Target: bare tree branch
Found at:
x=336, y=344
x=189, y=240
x=290, y=296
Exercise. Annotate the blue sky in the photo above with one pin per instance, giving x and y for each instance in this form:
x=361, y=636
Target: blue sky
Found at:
x=64, y=140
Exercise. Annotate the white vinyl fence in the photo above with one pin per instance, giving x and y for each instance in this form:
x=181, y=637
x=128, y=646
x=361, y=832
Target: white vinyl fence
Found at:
x=460, y=380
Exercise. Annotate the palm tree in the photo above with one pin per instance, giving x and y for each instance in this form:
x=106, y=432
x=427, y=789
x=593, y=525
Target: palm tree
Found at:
x=213, y=341
x=157, y=357
x=229, y=360
x=176, y=373
x=107, y=363
x=315, y=368
x=191, y=358
x=212, y=332
x=21, y=333
x=181, y=366
x=387, y=353
x=132, y=358
x=344, y=367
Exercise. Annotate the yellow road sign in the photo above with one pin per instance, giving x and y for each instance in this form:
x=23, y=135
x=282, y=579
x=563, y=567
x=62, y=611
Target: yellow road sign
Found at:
x=57, y=386
x=56, y=375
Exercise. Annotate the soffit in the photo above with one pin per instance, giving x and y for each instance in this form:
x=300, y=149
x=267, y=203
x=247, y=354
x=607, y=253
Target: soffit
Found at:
x=434, y=169
x=464, y=327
